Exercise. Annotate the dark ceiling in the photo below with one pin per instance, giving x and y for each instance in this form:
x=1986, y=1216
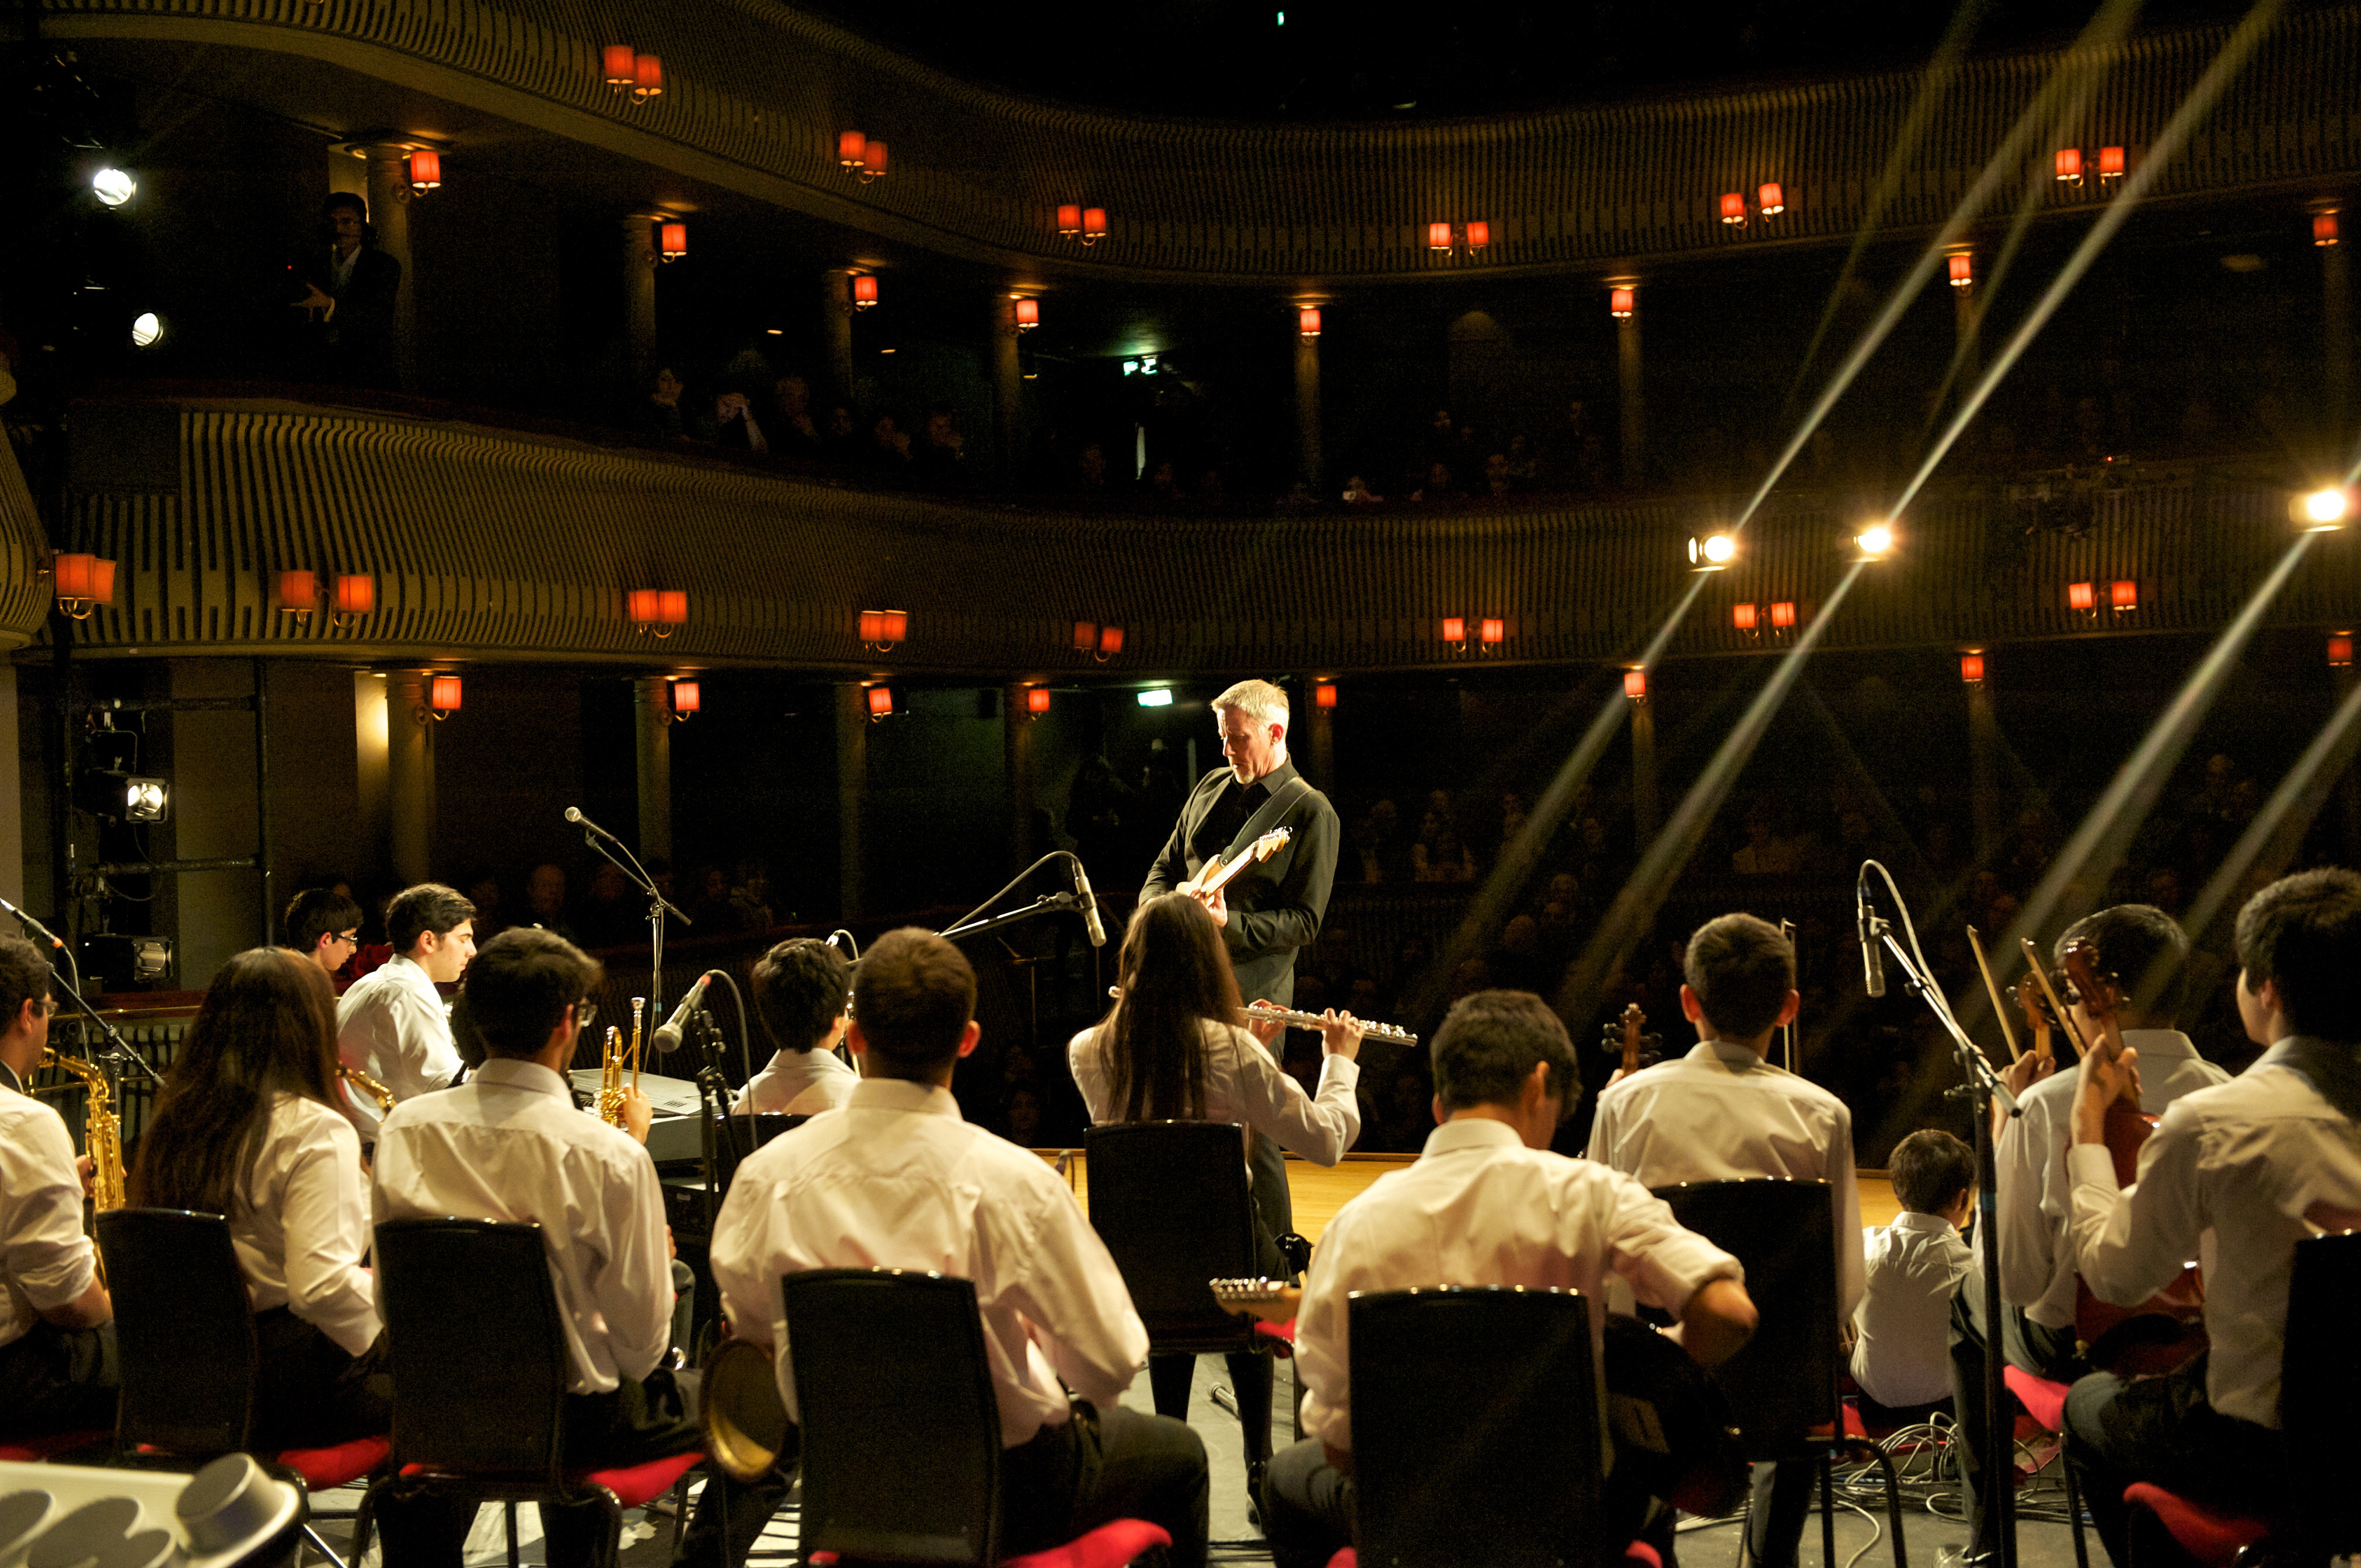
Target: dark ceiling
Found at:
x=1363, y=58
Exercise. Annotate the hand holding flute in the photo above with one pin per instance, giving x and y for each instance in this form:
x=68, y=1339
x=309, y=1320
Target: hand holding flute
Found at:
x=1340, y=1032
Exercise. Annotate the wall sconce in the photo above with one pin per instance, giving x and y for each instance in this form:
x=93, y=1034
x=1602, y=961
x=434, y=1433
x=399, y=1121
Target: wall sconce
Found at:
x=864, y=290
x=443, y=695
x=657, y=611
x=2339, y=650
x=1479, y=235
x=1097, y=641
x=1771, y=200
x=1026, y=311
x=2081, y=596
x=852, y=149
x=1620, y=301
x=2111, y=163
x=1963, y=268
x=1476, y=236
x=672, y=241
x=616, y=59
x=425, y=171
x=1307, y=320
x=1635, y=685
x=1782, y=614
x=881, y=703
x=2323, y=510
x=686, y=702
x=1323, y=695
x=2123, y=597
x=1110, y=643
x=1743, y=617
x=1093, y=224
x=299, y=594
x=356, y=595
x=872, y=163
x=1453, y=631
x=1492, y=632
x=1438, y=237
x=83, y=582
x=1733, y=209
x=2324, y=228
x=1971, y=669
x=2070, y=166
x=1037, y=701
x=882, y=630
x=1069, y=219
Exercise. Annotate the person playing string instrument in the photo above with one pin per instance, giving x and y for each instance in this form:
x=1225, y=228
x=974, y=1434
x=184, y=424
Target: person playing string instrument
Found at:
x=1488, y=1203
x=2147, y=950
x=246, y=1127
x=57, y=1323
x=1174, y=1048
x=2235, y=1175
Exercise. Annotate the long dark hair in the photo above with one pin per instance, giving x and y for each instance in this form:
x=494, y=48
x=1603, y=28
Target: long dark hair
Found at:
x=268, y=1025
x=1175, y=976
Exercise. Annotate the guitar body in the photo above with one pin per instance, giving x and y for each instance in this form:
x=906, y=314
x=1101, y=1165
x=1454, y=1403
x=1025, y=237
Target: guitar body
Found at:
x=1673, y=1432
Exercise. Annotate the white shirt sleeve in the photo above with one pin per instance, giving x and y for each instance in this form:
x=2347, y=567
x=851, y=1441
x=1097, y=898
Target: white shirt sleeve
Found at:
x=2129, y=1244
x=634, y=1289
x=1319, y=1127
x=1844, y=1191
x=43, y=1248
x=1062, y=1277
x=325, y=1216
x=2028, y=1149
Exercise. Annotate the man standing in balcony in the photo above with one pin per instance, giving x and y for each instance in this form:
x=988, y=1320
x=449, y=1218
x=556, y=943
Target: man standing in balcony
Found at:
x=349, y=294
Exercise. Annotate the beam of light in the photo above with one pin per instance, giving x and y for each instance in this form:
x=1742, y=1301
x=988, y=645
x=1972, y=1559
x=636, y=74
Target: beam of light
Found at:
x=2272, y=838
x=1637, y=900
x=2091, y=856
x=2161, y=152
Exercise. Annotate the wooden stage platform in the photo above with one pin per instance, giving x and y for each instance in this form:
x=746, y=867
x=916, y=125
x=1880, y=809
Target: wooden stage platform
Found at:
x=1319, y=1193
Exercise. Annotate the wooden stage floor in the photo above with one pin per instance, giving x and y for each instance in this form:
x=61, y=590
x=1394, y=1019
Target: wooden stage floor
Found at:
x=1319, y=1193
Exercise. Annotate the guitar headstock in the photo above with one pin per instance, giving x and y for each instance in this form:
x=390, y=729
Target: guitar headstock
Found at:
x=2101, y=994
x=2034, y=1006
x=1269, y=844
x=1265, y=1299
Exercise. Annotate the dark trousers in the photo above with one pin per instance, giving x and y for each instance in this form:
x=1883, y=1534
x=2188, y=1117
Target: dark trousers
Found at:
x=2043, y=1351
x=309, y=1393
x=1170, y=1377
x=1782, y=1501
x=1070, y=1479
x=638, y=1422
x=58, y=1380
x=2163, y=1429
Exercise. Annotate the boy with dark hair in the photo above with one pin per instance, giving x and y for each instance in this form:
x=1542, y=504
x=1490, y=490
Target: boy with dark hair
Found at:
x=324, y=926
x=1902, y=1328
x=799, y=989
x=390, y=1022
x=2144, y=950
x=57, y=1335
x=897, y=1179
x=509, y=1146
x=2237, y=1173
x=1487, y=1204
x=1723, y=1112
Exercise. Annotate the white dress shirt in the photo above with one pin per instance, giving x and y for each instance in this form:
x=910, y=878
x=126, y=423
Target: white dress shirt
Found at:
x=2037, y=1265
x=303, y=1223
x=45, y=1261
x=1244, y=1085
x=1902, y=1353
x=1723, y=1113
x=508, y=1144
x=2238, y=1165
x=391, y=1024
x=896, y=1179
x=819, y=1078
x=1479, y=1208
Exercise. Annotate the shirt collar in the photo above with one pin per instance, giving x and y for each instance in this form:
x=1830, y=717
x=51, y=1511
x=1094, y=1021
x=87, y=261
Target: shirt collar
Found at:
x=1729, y=1053
x=1271, y=780
x=902, y=1094
x=9, y=1079
x=1471, y=1133
x=518, y=1074
x=2155, y=1045
x=1912, y=1220
x=412, y=973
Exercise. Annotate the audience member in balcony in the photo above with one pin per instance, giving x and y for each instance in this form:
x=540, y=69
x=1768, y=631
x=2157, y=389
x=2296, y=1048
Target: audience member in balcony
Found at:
x=1358, y=494
x=752, y=896
x=710, y=906
x=889, y=446
x=349, y=290
x=732, y=424
x=1162, y=484
x=544, y=899
x=939, y=457
x=1212, y=493
x=1090, y=471
x=1440, y=855
x=1437, y=488
x=660, y=413
x=1499, y=484
x=840, y=437
x=792, y=428
x=614, y=911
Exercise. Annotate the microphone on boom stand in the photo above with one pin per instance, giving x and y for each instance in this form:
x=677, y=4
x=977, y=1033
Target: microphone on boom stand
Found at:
x=1090, y=903
x=666, y=1039
x=1872, y=952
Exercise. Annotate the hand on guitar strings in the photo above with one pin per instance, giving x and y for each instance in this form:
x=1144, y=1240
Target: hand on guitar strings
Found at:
x=1216, y=906
x=2106, y=1077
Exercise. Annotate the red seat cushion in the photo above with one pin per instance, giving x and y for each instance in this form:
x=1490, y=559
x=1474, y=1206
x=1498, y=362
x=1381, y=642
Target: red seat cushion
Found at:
x=635, y=1483
x=1640, y=1552
x=33, y=1450
x=1344, y=1558
x=323, y=1468
x=1109, y=1546
x=2043, y=1400
x=2214, y=1538
x=1852, y=1423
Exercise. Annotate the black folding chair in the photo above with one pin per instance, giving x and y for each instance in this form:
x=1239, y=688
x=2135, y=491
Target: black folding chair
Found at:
x=1782, y=1386
x=901, y=1427
x=480, y=1370
x=185, y=1342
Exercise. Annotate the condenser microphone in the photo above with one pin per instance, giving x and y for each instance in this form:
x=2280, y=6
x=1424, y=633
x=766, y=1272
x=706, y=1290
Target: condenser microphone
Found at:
x=666, y=1039
x=1091, y=921
x=46, y=935
x=1873, y=955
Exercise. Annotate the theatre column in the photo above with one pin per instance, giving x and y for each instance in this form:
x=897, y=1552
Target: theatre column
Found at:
x=1318, y=724
x=1016, y=772
x=410, y=774
x=836, y=330
x=1966, y=309
x=1007, y=382
x=1983, y=769
x=389, y=213
x=1309, y=468
x=651, y=724
x=1623, y=301
x=1643, y=770
x=851, y=787
x=2336, y=327
x=638, y=257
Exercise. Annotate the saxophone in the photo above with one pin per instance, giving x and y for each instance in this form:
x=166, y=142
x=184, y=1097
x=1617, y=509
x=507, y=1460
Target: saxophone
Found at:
x=613, y=1062
x=102, y=1131
x=369, y=1086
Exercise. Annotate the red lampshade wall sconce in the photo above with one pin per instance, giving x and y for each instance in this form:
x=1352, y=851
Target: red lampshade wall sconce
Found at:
x=1069, y=219
x=1100, y=643
x=1745, y=617
x=672, y=241
x=1094, y=225
x=2324, y=228
x=864, y=290
x=626, y=70
x=426, y=170
x=656, y=611
x=1770, y=200
x=1025, y=311
x=299, y=594
x=1452, y=630
x=82, y=582
x=1971, y=669
x=1443, y=239
x=1037, y=701
x=1307, y=321
x=882, y=631
x=1733, y=209
x=1783, y=616
x=354, y=596
x=881, y=703
x=2111, y=163
x=1963, y=266
x=687, y=701
x=2082, y=597
x=1492, y=632
x=2070, y=165
x=1323, y=696
x=1621, y=300
x=442, y=697
x=1635, y=685
x=2123, y=597
x=2339, y=650
x=857, y=155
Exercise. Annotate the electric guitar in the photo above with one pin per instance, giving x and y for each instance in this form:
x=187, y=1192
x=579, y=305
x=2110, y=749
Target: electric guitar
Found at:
x=1216, y=873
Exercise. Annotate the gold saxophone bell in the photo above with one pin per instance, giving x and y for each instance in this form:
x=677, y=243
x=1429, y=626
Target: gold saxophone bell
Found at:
x=101, y=1136
x=369, y=1086
x=739, y=1406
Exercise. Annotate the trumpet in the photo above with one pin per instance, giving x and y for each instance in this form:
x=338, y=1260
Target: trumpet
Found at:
x=614, y=1062
x=369, y=1086
x=1263, y=1013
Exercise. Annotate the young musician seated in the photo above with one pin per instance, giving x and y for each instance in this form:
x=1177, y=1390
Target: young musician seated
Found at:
x=2235, y=1175
x=57, y=1334
x=1723, y=1112
x=324, y=925
x=2147, y=950
x=391, y=1024
x=509, y=1144
x=799, y=989
x=1901, y=1329
x=1175, y=1047
x=246, y=1127
x=897, y=1179
x=1487, y=1204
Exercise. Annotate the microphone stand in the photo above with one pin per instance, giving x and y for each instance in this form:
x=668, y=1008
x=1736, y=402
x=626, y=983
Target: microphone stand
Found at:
x=1983, y=1089
x=119, y=1053
x=658, y=907
x=1048, y=904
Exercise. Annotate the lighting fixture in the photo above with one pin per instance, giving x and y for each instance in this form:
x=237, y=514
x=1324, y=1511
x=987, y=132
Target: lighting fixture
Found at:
x=112, y=187
x=657, y=611
x=672, y=241
x=2123, y=595
x=1733, y=209
x=1307, y=321
x=852, y=149
x=1492, y=631
x=1963, y=269
x=1110, y=641
x=1875, y=540
x=1619, y=301
x=1036, y=700
x=1323, y=694
x=2070, y=166
x=1452, y=629
x=2111, y=163
x=426, y=170
x=2323, y=510
x=687, y=701
x=147, y=330
x=2081, y=596
x=1086, y=636
x=356, y=595
x=1093, y=224
x=1713, y=551
x=864, y=290
x=2339, y=650
x=1027, y=313
x=1069, y=219
x=616, y=60
x=881, y=703
x=1771, y=199
x=872, y=163
x=1783, y=616
x=1743, y=617
x=1438, y=237
x=299, y=593
x=1479, y=235
x=121, y=796
x=2324, y=228
x=1971, y=669
x=1156, y=697
x=647, y=78
x=1635, y=685
x=882, y=631
x=82, y=582
x=443, y=694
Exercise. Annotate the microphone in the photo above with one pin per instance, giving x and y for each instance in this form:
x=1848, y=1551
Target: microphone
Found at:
x=1873, y=953
x=43, y=932
x=1091, y=921
x=574, y=815
x=666, y=1039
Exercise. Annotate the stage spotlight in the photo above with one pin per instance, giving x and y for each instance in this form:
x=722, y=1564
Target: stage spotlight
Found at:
x=1713, y=551
x=114, y=187
x=147, y=330
x=1874, y=541
x=1156, y=697
x=2322, y=509
x=123, y=798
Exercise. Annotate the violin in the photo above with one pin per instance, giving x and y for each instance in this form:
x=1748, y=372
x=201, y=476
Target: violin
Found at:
x=2169, y=1327
x=2040, y=1023
x=1639, y=1051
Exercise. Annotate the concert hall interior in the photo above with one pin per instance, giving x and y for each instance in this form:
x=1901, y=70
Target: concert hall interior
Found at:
x=698, y=475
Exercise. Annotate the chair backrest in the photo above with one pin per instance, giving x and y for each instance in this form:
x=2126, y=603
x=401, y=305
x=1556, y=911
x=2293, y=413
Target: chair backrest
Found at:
x=479, y=1359
x=901, y=1428
x=1476, y=1433
x=1782, y=1385
x=2319, y=1386
x=1170, y=1200
x=183, y=1331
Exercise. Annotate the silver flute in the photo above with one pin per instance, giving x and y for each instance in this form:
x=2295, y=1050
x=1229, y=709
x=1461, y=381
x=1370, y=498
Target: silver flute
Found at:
x=1268, y=1014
